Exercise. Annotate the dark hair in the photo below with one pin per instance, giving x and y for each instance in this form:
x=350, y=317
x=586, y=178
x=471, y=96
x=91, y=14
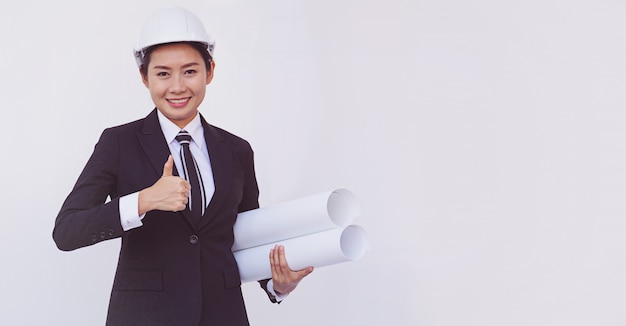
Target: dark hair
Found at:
x=200, y=47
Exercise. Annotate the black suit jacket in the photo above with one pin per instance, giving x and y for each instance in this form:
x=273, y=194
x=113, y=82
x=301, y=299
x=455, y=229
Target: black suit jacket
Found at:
x=171, y=271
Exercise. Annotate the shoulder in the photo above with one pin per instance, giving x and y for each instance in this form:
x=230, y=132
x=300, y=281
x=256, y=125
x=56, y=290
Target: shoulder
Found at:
x=228, y=135
x=223, y=135
x=132, y=126
x=146, y=125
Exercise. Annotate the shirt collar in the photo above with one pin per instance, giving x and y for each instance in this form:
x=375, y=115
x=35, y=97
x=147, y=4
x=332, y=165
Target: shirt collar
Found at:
x=170, y=130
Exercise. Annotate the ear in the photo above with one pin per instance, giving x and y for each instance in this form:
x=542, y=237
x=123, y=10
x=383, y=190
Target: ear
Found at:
x=209, y=74
x=144, y=79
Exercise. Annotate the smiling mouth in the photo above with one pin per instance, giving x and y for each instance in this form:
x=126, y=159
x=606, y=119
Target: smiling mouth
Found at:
x=179, y=101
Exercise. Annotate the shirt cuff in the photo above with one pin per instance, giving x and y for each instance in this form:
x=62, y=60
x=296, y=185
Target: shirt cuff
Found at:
x=129, y=206
x=270, y=289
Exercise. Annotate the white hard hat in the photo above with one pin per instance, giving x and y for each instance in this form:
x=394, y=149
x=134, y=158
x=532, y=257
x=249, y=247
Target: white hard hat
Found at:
x=172, y=24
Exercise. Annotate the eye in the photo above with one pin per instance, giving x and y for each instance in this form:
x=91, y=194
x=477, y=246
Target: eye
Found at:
x=190, y=72
x=162, y=74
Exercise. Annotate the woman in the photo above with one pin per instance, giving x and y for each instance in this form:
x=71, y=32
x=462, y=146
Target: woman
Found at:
x=176, y=185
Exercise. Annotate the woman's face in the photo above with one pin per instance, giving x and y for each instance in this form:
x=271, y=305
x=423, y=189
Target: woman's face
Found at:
x=177, y=77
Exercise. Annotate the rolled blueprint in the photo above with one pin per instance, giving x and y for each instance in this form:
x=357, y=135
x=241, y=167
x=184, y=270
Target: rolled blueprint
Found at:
x=312, y=214
x=318, y=249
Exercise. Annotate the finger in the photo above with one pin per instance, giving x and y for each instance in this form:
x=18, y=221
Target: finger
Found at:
x=304, y=272
x=168, y=166
x=273, y=266
x=183, y=187
x=282, y=260
x=275, y=263
x=281, y=256
x=274, y=258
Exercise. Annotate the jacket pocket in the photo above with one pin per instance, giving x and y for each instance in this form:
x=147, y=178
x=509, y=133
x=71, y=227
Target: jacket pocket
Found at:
x=138, y=280
x=231, y=277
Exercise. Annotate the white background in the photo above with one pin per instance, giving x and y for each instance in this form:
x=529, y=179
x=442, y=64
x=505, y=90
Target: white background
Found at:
x=486, y=141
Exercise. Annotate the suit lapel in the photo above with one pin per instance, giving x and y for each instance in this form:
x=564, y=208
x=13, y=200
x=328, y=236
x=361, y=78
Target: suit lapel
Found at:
x=220, y=154
x=153, y=143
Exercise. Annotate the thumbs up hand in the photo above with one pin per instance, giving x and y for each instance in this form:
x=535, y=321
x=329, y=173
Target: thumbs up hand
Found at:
x=169, y=193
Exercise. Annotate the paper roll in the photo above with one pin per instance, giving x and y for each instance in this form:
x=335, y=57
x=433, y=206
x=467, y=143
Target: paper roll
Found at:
x=318, y=249
x=312, y=214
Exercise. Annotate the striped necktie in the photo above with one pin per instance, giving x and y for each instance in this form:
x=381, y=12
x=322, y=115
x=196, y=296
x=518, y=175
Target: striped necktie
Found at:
x=191, y=173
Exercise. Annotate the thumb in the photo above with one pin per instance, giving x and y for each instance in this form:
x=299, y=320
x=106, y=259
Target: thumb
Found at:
x=168, y=166
x=305, y=271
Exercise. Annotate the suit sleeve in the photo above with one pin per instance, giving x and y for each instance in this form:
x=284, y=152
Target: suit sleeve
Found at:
x=250, y=197
x=85, y=218
x=250, y=201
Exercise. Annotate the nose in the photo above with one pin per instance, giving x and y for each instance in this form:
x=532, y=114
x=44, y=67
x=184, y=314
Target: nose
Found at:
x=177, y=84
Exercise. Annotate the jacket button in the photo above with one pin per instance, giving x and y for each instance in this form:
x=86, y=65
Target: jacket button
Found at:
x=193, y=239
x=102, y=235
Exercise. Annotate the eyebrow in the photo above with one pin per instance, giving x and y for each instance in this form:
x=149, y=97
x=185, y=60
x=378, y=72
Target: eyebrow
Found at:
x=191, y=64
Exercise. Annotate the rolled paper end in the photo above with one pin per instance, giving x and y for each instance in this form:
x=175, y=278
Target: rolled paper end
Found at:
x=319, y=249
x=342, y=207
x=354, y=242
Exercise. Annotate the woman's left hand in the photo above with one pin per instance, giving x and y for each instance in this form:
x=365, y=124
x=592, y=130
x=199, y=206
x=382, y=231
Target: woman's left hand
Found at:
x=285, y=280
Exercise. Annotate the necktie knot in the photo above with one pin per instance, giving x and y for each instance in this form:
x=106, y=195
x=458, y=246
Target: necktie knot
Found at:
x=183, y=137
